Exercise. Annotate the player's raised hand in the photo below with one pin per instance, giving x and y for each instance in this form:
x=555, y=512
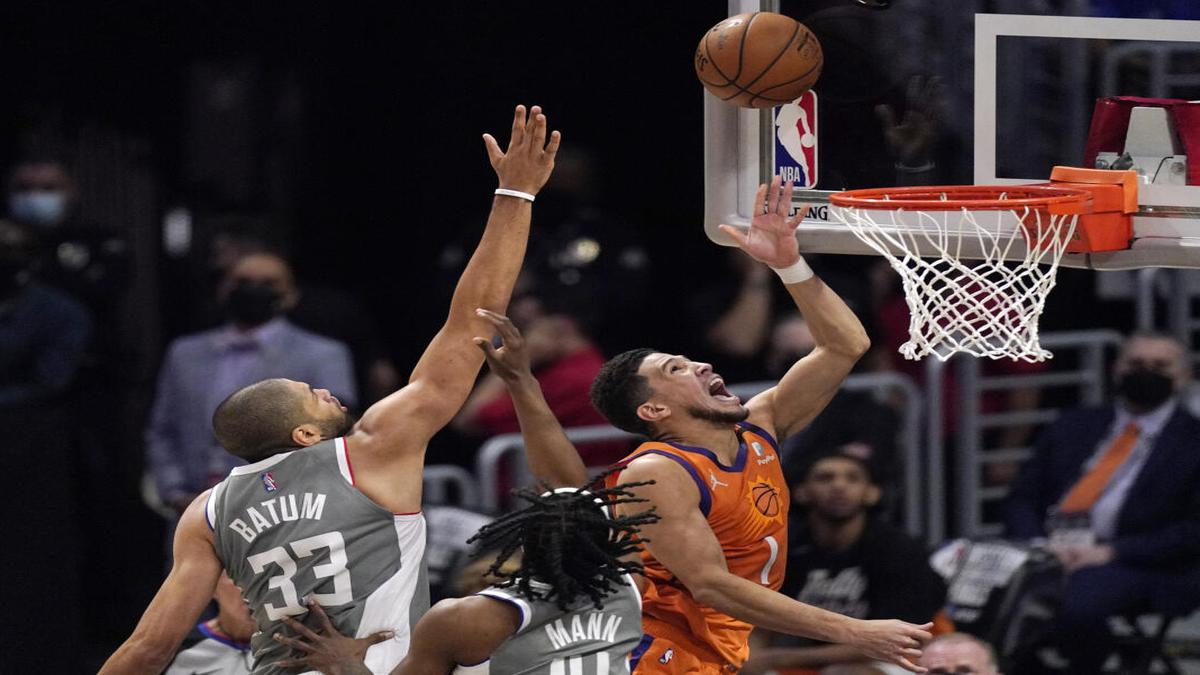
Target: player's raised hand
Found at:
x=511, y=361
x=771, y=237
x=529, y=159
x=893, y=641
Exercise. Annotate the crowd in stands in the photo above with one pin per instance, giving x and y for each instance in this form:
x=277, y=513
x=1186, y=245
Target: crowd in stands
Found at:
x=1110, y=492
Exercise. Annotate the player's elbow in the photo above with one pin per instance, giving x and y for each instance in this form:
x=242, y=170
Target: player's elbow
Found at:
x=853, y=347
x=860, y=345
x=708, y=595
x=709, y=590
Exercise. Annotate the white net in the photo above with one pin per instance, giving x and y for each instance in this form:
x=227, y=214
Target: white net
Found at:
x=975, y=281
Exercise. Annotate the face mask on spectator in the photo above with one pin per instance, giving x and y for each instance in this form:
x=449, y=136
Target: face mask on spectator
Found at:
x=38, y=207
x=1145, y=388
x=252, y=304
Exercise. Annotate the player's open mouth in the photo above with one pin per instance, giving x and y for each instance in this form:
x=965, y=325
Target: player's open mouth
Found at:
x=716, y=389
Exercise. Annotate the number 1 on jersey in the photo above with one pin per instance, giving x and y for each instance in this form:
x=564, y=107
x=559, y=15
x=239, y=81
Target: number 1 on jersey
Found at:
x=765, y=577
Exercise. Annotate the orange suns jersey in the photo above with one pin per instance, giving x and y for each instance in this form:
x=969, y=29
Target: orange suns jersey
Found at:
x=746, y=506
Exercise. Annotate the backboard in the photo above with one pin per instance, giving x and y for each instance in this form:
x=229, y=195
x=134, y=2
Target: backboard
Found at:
x=1007, y=97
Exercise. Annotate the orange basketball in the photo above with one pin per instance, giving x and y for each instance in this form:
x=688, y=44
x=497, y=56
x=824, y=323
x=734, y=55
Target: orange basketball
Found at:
x=759, y=60
x=766, y=499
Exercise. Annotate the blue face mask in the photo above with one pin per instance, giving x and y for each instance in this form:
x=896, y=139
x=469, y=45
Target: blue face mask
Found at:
x=37, y=207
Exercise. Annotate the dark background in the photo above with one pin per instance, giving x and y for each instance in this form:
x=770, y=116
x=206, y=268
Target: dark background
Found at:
x=355, y=129
x=383, y=161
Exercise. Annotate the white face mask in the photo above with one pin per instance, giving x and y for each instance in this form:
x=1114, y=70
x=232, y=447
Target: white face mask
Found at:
x=38, y=207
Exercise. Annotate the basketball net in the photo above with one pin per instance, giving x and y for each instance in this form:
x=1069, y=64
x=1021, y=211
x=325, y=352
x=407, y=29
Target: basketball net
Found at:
x=987, y=305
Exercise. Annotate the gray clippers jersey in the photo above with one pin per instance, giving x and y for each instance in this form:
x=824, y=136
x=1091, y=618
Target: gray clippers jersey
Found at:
x=580, y=641
x=293, y=526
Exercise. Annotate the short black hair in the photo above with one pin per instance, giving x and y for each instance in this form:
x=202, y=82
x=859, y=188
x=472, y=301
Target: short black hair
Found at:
x=570, y=540
x=618, y=390
x=256, y=421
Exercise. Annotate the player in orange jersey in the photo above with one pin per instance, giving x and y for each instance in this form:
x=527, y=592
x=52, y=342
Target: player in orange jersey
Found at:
x=716, y=558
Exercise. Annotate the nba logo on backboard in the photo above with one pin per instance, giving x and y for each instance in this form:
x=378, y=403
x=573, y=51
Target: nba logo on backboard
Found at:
x=795, y=148
x=268, y=482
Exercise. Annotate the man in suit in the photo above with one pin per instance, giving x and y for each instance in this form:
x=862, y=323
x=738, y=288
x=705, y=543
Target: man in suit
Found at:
x=202, y=369
x=1117, y=491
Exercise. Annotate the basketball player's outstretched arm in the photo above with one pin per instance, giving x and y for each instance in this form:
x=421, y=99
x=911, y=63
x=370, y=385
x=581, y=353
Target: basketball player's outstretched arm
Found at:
x=551, y=455
x=840, y=338
x=387, y=445
x=179, y=601
x=685, y=544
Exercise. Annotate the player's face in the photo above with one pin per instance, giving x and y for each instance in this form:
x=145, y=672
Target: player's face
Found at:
x=956, y=658
x=691, y=387
x=323, y=408
x=838, y=489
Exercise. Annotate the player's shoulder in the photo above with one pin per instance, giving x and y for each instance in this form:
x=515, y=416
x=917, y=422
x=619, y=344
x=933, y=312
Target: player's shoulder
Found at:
x=650, y=462
x=474, y=614
x=195, y=519
x=670, y=473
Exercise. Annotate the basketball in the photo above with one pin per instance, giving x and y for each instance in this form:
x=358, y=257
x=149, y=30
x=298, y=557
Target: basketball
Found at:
x=759, y=60
x=766, y=499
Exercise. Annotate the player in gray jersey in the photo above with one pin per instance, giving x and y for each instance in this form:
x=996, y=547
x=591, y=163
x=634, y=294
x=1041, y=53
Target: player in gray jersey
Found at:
x=570, y=607
x=328, y=510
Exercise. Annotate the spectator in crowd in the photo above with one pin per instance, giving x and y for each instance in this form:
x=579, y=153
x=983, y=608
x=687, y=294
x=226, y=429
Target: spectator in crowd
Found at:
x=93, y=264
x=201, y=369
x=43, y=335
x=324, y=310
x=88, y=262
x=565, y=361
x=1117, y=491
x=83, y=259
x=44, y=331
x=844, y=559
x=959, y=654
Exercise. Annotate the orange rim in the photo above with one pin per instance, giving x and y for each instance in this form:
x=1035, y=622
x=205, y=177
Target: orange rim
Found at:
x=970, y=197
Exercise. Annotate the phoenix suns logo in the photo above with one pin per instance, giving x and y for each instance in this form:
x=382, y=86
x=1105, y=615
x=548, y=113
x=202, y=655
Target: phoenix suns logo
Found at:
x=765, y=498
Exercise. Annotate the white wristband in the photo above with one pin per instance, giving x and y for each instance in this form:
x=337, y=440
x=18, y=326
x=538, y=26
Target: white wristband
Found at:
x=795, y=273
x=515, y=193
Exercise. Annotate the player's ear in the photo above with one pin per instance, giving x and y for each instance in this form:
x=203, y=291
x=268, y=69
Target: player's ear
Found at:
x=653, y=412
x=306, y=434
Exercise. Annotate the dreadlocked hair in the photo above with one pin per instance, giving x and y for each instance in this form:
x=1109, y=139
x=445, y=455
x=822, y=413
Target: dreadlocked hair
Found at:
x=571, y=548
